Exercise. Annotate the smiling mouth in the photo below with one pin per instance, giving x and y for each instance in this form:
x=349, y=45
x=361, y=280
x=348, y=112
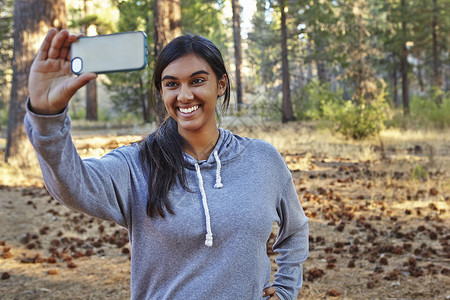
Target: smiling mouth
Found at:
x=188, y=110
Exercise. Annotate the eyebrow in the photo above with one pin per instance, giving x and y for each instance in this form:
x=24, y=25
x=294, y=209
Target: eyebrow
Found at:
x=192, y=75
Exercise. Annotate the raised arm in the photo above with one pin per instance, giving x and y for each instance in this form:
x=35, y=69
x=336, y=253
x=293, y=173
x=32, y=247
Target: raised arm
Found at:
x=51, y=84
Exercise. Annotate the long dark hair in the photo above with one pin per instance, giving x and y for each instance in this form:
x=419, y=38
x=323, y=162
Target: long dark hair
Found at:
x=161, y=153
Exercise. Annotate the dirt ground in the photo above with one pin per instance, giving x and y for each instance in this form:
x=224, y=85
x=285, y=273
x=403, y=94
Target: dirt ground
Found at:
x=379, y=222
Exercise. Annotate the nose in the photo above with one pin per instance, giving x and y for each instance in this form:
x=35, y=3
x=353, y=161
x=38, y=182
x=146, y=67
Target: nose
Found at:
x=185, y=94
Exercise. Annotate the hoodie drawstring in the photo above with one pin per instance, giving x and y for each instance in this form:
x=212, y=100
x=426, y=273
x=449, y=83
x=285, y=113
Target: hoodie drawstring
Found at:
x=218, y=185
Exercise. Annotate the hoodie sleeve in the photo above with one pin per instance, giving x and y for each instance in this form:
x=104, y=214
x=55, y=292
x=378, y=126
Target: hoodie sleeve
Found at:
x=291, y=244
x=98, y=187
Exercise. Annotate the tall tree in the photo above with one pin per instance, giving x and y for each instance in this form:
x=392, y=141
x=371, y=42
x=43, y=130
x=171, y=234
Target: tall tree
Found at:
x=287, y=114
x=131, y=92
x=206, y=18
x=437, y=68
x=320, y=36
x=167, y=16
x=32, y=20
x=404, y=66
x=91, y=88
x=236, y=7
x=6, y=45
x=263, y=53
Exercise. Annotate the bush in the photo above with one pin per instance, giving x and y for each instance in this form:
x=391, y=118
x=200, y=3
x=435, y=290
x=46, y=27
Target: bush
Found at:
x=354, y=119
x=419, y=173
x=359, y=121
x=427, y=113
x=312, y=102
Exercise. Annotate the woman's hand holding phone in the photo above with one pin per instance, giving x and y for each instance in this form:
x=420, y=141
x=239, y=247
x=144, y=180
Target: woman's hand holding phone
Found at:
x=51, y=84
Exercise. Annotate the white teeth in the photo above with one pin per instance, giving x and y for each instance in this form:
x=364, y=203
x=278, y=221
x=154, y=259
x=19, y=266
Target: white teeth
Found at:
x=188, y=110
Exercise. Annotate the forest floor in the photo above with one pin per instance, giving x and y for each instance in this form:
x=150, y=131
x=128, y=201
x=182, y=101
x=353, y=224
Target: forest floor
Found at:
x=379, y=220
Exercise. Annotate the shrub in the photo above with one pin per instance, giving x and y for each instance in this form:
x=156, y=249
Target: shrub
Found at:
x=354, y=119
x=419, y=173
x=427, y=113
x=313, y=100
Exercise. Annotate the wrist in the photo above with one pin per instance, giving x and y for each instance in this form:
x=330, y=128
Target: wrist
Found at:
x=43, y=111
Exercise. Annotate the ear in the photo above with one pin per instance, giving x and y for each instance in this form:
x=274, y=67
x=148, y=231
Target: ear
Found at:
x=222, y=85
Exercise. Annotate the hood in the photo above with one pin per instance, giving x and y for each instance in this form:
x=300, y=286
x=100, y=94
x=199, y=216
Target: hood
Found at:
x=228, y=147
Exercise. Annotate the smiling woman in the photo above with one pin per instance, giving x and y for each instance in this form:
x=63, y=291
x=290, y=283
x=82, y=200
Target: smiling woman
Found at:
x=190, y=98
x=198, y=202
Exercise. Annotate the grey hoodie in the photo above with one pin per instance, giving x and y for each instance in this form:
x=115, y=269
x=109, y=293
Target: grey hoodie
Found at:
x=236, y=196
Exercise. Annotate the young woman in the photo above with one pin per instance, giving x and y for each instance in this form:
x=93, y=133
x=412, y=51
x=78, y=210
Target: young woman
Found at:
x=198, y=202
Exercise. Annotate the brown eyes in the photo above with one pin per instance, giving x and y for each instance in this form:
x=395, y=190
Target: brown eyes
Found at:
x=195, y=81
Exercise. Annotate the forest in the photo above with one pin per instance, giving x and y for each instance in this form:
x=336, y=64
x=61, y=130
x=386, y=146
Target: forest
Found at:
x=353, y=94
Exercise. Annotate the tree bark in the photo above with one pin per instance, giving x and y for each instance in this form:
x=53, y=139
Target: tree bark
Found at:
x=320, y=63
x=167, y=16
x=394, y=80
x=32, y=20
x=438, y=80
x=319, y=51
x=237, y=50
x=288, y=114
x=91, y=87
x=149, y=96
x=404, y=63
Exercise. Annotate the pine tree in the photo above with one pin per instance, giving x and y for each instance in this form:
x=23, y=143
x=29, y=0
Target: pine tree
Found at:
x=32, y=19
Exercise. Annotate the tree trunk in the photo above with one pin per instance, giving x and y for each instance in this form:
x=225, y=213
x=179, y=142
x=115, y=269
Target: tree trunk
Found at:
x=404, y=72
x=237, y=50
x=320, y=63
x=438, y=80
x=319, y=52
x=288, y=114
x=148, y=91
x=394, y=80
x=420, y=80
x=309, y=67
x=404, y=63
x=32, y=20
x=91, y=87
x=167, y=16
x=91, y=101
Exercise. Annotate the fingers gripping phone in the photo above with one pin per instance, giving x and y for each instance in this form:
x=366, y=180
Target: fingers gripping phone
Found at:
x=118, y=52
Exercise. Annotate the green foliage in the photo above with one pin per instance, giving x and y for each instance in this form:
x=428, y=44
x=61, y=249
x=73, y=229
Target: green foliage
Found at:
x=264, y=51
x=359, y=121
x=130, y=91
x=354, y=119
x=102, y=16
x=419, y=173
x=269, y=107
x=4, y=113
x=6, y=53
x=205, y=18
x=315, y=101
x=427, y=113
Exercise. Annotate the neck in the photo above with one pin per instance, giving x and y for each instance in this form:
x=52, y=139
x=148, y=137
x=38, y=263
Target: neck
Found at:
x=200, y=145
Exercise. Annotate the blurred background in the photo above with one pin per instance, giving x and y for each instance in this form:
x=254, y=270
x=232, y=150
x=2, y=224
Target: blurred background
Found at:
x=357, y=67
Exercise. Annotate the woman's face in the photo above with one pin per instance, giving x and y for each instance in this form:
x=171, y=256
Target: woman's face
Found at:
x=189, y=89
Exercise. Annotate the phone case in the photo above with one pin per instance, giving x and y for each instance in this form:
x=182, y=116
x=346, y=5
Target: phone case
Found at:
x=118, y=52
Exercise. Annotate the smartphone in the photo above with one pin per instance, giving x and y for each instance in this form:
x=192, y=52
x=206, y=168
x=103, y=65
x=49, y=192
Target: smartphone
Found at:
x=118, y=52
